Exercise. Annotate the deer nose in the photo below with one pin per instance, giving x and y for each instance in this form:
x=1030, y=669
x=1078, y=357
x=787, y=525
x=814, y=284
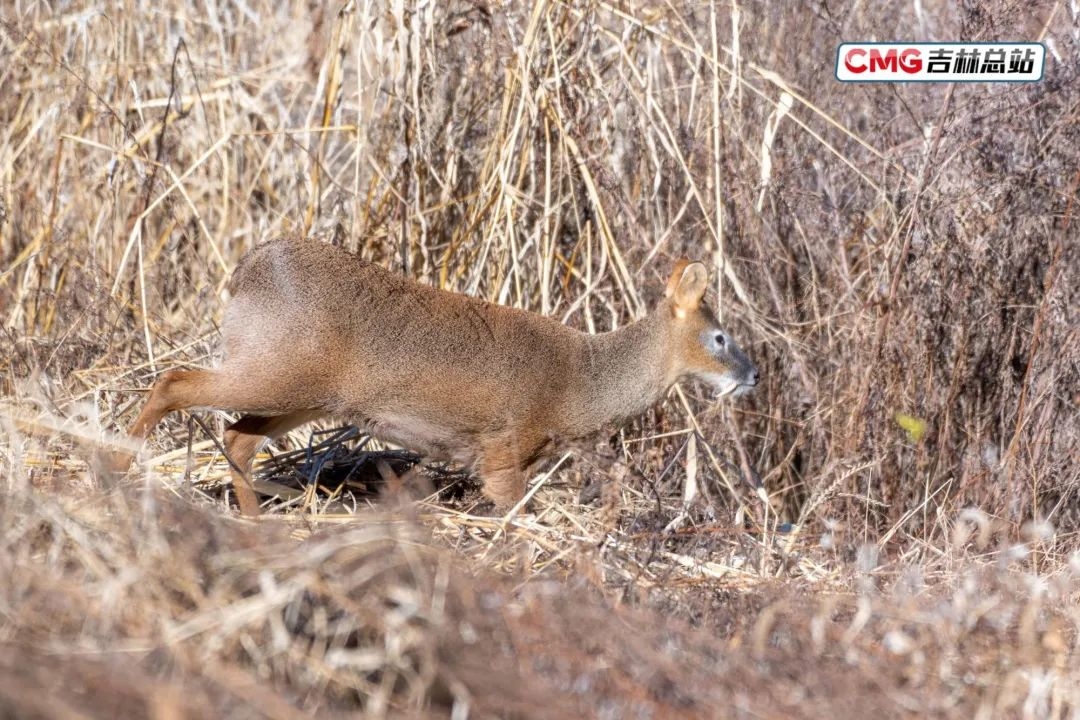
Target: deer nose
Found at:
x=755, y=377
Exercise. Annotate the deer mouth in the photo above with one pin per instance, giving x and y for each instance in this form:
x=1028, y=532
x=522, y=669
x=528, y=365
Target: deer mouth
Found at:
x=741, y=389
x=726, y=386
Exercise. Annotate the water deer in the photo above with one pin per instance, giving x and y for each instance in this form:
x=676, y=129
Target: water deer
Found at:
x=313, y=330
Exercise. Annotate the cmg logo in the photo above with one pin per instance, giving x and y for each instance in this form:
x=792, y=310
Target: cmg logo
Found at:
x=940, y=62
x=862, y=60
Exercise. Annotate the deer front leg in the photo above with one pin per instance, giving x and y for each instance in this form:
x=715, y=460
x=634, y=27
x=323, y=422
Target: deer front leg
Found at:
x=503, y=476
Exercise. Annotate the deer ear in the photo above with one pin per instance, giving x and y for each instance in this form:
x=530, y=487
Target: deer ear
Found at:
x=687, y=284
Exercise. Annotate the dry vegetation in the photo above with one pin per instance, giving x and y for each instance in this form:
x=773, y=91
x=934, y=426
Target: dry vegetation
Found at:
x=901, y=261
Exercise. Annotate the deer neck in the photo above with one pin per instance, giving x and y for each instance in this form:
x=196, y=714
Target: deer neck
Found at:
x=621, y=374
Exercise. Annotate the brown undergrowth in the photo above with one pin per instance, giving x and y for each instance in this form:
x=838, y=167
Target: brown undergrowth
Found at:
x=138, y=604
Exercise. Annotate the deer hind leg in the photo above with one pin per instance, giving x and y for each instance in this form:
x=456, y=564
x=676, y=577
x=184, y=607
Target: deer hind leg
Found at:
x=183, y=389
x=242, y=441
x=174, y=390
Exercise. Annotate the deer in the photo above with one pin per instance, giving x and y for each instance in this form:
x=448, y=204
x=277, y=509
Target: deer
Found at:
x=314, y=331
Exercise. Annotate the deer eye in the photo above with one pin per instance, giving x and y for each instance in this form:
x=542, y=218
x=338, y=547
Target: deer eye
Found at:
x=720, y=339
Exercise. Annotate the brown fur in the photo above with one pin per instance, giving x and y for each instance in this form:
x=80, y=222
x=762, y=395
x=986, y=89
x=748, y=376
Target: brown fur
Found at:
x=313, y=331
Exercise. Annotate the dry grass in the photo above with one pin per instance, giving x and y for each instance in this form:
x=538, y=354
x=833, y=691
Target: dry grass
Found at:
x=888, y=255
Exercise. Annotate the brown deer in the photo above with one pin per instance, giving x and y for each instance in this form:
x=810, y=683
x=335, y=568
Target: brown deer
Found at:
x=314, y=331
